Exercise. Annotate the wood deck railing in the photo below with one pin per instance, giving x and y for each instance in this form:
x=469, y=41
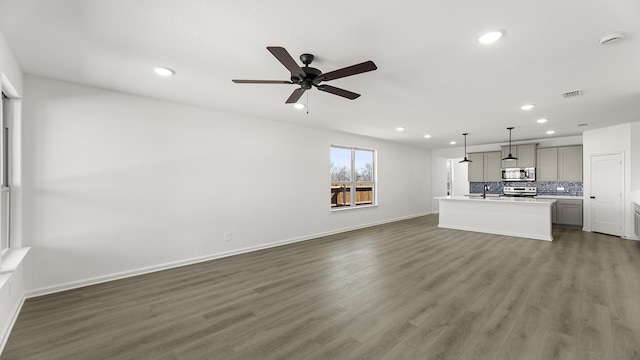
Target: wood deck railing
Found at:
x=341, y=195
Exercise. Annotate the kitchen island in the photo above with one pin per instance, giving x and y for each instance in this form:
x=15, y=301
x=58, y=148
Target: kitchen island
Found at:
x=512, y=216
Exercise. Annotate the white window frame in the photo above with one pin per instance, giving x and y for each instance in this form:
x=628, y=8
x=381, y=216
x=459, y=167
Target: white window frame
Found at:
x=5, y=173
x=353, y=182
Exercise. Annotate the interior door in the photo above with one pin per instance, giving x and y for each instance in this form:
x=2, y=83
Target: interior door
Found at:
x=606, y=194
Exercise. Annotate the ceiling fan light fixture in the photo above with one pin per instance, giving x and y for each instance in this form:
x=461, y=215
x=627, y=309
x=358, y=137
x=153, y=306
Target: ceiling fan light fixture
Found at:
x=465, y=160
x=491, y=37
x=299, y=106
x=510, y=157
x=163, y=71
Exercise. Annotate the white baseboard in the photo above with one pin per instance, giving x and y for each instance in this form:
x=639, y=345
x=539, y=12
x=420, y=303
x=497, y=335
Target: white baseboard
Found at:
x=125, y=274
x=4, y=336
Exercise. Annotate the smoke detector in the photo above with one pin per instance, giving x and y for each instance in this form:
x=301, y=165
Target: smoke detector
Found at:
x=611, y=38
x=570, y=94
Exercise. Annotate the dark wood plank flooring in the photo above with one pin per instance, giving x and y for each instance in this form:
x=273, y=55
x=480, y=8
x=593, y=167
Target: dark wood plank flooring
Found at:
x=406, y=290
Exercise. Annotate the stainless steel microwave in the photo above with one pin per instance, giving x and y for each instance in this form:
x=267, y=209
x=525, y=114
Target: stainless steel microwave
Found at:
x=519, y=174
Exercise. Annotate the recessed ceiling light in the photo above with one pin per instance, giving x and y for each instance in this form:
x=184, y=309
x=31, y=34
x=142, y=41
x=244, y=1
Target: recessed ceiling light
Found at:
x=491, y=37
x=542, y=121
x=427, y=136
x=298, y=106
x=550, y=132
x=163, y=71
x=527, y=107
x=452, y=143
x=400, y=128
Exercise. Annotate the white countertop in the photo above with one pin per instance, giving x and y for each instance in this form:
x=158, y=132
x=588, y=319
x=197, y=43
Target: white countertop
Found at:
x=502, y=199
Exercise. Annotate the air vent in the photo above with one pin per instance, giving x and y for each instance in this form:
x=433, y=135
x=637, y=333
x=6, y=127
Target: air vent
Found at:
x=570, y=94
x=584, y=124
x=611, y=38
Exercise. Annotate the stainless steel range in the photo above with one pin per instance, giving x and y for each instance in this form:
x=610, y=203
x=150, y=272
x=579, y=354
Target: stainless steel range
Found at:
x=520, y=191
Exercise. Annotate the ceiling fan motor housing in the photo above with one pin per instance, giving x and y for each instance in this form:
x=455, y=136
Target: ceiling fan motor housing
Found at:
x=311, y=77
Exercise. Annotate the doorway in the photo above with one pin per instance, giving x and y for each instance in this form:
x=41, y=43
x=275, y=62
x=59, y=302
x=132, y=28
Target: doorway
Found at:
x=605, y=198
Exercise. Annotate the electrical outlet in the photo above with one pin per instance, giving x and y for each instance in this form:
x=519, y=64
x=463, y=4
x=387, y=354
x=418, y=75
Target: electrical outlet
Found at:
x=227, y=236
x=560, y=188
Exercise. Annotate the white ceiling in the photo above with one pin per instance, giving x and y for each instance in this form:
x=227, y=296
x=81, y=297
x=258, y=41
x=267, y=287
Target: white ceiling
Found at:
x=433, y=76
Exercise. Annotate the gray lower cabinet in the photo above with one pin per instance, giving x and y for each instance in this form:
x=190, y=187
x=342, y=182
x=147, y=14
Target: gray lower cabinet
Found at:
x=568, y=212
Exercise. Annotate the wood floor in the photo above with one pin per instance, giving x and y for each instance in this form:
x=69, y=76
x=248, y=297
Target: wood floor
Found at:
x=406, y=290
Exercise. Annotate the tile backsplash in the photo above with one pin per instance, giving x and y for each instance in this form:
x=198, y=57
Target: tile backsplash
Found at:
x=544, y=188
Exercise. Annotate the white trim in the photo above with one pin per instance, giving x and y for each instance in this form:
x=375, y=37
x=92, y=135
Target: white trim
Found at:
x=175, y=264
x=342, y=208
x=13, y=259
x=6, y=332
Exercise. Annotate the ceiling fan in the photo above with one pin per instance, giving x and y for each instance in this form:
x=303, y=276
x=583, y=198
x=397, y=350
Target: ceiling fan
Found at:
x=307, y=77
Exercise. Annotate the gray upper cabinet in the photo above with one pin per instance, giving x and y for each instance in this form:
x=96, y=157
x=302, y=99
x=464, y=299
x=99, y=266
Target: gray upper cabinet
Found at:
x=547, y=169
x=485, y=166
x=570, y=163
x=492, y=166
x=560, y=164
x=526, y=155
x=476, y=167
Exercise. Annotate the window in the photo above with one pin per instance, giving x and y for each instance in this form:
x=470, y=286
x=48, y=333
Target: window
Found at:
x=5, y=191
x=352, y=177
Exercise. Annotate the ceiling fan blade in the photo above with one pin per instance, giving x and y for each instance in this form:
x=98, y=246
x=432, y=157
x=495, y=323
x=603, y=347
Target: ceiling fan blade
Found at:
x=348, y=71
x=283, y=56
x=295, y=96
x=262, y=82
x=337, y=91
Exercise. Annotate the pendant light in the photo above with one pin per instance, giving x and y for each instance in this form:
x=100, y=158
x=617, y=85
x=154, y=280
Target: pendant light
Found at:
x=510, y=157
x=465, y=160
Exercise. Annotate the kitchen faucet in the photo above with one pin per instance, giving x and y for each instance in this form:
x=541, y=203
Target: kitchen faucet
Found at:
x=484, y=191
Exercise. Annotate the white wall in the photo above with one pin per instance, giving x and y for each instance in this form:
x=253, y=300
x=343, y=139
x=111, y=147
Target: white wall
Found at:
x=460, y=174
x=119, y=184
x=439, y=159
x=611, y=139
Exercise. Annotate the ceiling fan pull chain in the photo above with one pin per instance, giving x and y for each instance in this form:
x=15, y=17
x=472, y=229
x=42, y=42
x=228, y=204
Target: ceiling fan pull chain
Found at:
x=307, y=103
